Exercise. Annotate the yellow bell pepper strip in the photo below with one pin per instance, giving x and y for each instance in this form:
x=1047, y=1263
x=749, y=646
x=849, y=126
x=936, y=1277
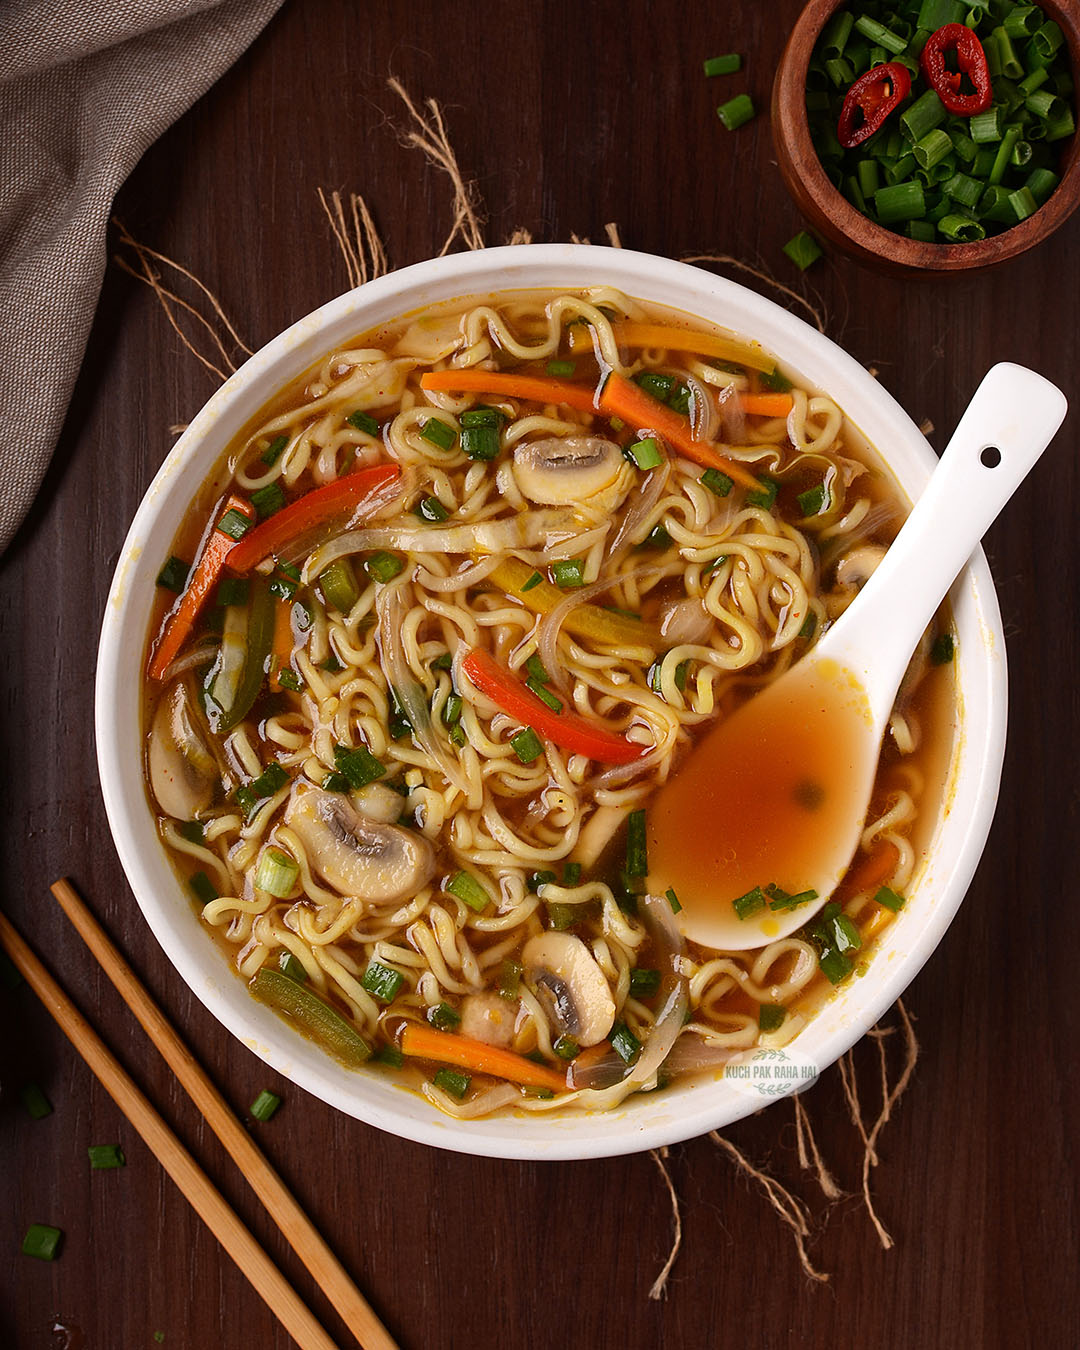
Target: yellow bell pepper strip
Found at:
x=584, y=620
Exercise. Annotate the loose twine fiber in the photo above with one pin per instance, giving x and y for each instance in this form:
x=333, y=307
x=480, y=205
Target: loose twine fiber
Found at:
x=205, y=330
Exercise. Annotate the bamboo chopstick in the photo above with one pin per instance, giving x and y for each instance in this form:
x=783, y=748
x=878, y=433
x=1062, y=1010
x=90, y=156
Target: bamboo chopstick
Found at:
x=205, y=1199
x=297, y=1228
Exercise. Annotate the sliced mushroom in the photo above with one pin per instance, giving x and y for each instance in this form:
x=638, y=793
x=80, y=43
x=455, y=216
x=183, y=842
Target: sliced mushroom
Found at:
x=489, y=1018
x=856, y=568
x=563, y=470
x=563, y=974
x=355, y=854
x=183, y=772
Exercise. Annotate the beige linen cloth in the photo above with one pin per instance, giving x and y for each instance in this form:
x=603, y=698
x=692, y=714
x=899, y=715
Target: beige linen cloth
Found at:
x=85, y=87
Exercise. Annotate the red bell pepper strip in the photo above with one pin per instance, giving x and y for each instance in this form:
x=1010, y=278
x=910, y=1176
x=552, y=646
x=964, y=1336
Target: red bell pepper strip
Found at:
x=870, y=101
x=970, y=61
x=566, y=728
x=204, y=577
x=344, y=494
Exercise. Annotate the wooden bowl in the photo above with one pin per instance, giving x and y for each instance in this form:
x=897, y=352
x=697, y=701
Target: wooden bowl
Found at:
x=834, y=217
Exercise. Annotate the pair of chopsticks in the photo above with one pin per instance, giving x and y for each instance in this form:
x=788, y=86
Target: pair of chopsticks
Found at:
x=200, y=1191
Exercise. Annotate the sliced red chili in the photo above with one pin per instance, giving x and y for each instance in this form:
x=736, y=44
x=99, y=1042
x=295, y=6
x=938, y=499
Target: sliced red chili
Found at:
x=870, y=101
x=970, y=59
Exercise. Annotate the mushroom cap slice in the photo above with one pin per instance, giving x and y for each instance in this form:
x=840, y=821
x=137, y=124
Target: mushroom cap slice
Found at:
x=353, y=853
x=183, y=772
x=565, y=470
x=563, y=973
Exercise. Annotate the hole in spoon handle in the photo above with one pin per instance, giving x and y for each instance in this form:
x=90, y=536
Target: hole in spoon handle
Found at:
x=990, y=457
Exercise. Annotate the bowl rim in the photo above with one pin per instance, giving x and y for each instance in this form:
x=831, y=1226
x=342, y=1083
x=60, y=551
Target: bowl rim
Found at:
x=683, y=1111
x=866, y=237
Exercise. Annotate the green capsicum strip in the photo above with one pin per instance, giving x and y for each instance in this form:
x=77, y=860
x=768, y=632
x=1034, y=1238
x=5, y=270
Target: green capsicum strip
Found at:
x=238, y=673
x=314, y=1017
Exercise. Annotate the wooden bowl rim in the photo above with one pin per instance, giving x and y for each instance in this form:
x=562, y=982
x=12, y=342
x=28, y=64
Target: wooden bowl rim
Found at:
x=865, y=235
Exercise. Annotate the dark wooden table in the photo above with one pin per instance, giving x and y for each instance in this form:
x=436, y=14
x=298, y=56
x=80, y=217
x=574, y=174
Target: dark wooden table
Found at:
x=568, y=115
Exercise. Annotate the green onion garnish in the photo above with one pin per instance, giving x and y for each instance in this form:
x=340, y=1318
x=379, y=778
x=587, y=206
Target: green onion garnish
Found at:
x=561, y=368
x=943, y=650
x=657, y=537
x=527, y=745
x=568, y=573
x=644, y=982
x=457, y=1084
x=383, y=566
x=389, y=1055
x=439, y=433
x=803, y=249
x=338, y=584
x=781, y=900
x=272, y=453
x=234, y=524
x=442, y=1017
x=265, y=1104
x=723, y=65
x=104, y=1157
x=382, y=982
x=719, y=484
x=534, y=580
x=510, y=973
x=656, y=384
x=750, y=903
x=812, y=501
x=545, y=695
x=571, y=874
x=276, y=873
x=36, y=1103
x=538, y=879
x=335, y=782
x=359, y=766
x=42, y=1241
x=771, y=1016
x=268, y=500
x=288, y=679
x=899, y=202
x=736, y=112
x=888, y=897
x=204, y=889
x=536, y=670
x=192, y=830
x=232, y=591
x=673, y=900
x=444, y=661
x=625, y=1044
x=563, y=916
x=469, y=891
x=834, y=965
x=290, y=965
x=173, y=576
x=482, y=416
x=480, y=443
x=637, y=856
x=364, y=422
x=430, y=508
x=566, y=1047
x=451, y=713
x=646, y=454
x=775, y=380
x=766, y=497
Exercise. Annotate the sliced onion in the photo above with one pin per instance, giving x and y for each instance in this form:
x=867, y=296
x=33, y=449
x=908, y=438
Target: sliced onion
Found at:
x=691, y=1054
x=702, y=410
x=684, y=622
x=392, y=604
x=625, y=773
x=732, y=417
x=647, y=498
x=547, y=633
x=660, y=924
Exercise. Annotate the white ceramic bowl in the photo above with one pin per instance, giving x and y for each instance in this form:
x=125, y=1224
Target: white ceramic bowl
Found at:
x=682, y=1111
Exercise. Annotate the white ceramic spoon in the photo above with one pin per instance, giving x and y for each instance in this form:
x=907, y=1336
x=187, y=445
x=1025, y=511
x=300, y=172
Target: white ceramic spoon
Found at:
x=778, y=792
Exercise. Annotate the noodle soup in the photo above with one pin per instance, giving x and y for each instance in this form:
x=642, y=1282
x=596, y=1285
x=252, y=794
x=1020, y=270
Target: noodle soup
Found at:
x=454, y=607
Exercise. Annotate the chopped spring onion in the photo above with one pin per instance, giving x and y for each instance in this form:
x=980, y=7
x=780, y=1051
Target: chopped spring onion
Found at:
x=781, y=900
x=644, y=982
x=443, y=1017
x=646, y=454
x=265, y=1104
x=276, y=873
x=382, y=982
x=431, y=509
x=538, y=879
x=771, y=1016
x=382, y=566
x=571, y=874
x=654, y=383
x=42, y=1241
x=899, y=202
x=566, y=1047
x=290, y=965
x=482, y=416
x=534, y=580
x=803, y=250
x=960, y=229
x=173, y=576
x=232, y=591
x=736, y=112
x=561, y=368
x=809, y=625
x=457, y=1084
x=673, y=900
x=362, y=421
x=544, y=694
x=890, y=899
x=338, y=585
x=204, y=889
x=723, y=65
x=234, y=523
x=451, y=713
x=536, y=670
x=812, y=501
x=563, y=917
x=359, y=766
x=268, y=500
x=750, y=903
x=104, y=1157
x=480, y=443
x=719, y=484
x=510, y=973
x=335, y=782
x=439, y=433
x=288, y=679
x=389, y=1055
x=922, y=116
x=766, y=496
x=527, y=745
x=568, y=573
x=444, y=661
x=943, y=649
x=637, y=856
x=625, y=1044
x=36, y=1103
x=469, y=891
x=272, y=453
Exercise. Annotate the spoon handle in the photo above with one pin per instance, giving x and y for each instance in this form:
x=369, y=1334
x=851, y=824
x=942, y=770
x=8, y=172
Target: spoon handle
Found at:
x=1007, y=425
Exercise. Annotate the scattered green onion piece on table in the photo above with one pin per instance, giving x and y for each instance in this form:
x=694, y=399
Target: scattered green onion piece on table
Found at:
x=736, y=112
x=265, y=1104
x=37, y=1105
x=42, y=1241
x=469, y=891
x=803, y=250
x=106, y=1157
x=723, y=65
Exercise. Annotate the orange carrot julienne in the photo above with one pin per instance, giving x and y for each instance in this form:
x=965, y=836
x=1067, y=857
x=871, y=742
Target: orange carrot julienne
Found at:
x=445, y=1047
x=622, y=398
x=535, y=387
x=766, y=405
x=700, y=344
x=203, y=579
x=872, y=871
x=281, y=650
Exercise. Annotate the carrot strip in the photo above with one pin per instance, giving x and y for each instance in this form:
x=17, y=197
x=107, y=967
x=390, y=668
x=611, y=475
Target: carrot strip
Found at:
x=281, y=649
x=766, y=405
x=873, y=871
x=445, y=1047
x=535, y=387
x=622, y=398
x=203, y=579
x=720, y=348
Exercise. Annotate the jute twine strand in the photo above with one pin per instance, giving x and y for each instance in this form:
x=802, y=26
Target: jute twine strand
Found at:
x=365, y=258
